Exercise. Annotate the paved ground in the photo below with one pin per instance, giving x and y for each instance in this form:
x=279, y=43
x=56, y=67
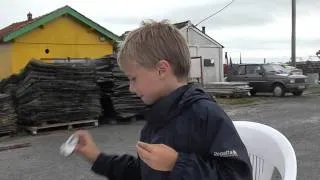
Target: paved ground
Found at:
x=297, y=117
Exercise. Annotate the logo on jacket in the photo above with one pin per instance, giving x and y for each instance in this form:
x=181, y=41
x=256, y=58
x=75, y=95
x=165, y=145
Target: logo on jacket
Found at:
x=228, y=153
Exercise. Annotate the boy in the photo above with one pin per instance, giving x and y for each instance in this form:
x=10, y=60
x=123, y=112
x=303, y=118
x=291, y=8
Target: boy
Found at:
x=187, y=136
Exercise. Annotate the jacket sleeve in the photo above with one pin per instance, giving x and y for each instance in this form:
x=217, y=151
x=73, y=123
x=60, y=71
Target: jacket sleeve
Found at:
x=227, y=158
x=115, y=167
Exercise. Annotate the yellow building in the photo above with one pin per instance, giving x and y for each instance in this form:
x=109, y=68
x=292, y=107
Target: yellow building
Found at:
x=61, y=34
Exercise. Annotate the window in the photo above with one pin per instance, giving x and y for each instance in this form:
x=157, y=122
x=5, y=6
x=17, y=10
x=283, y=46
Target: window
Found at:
x=275, y=68
x=253, y=69
x=208, y=62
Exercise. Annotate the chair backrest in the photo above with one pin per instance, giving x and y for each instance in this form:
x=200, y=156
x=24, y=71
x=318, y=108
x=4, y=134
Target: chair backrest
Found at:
x=268, y=149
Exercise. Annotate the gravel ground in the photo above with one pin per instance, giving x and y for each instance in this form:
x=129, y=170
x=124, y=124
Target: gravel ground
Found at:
x=298, y=118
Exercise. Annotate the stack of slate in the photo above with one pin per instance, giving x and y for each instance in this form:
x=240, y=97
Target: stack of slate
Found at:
x=8, y=85
x=125, y=103
x=117, y=101
x=54, y=93
x=8, y=116
x=309, y=66
x=104, y=79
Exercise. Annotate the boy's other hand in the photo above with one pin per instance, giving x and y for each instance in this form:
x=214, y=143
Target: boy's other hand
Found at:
x=86, y=146
x=157, y=156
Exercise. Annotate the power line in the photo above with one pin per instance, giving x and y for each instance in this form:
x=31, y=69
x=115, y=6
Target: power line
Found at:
x=216, y=12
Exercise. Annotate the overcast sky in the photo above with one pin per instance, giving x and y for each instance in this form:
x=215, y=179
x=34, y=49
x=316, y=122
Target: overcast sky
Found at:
x=256, y=28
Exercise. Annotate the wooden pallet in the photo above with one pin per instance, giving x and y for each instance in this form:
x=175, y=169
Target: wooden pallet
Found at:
x=124, y=118
x=70, y=125
x=7, y=133
x=14, y=146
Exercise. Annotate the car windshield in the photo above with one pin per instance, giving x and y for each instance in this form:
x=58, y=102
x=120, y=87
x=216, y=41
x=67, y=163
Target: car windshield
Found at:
x=275, y=68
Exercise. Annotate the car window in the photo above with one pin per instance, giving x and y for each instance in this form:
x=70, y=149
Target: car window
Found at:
x=274, y=68
x=253, y=69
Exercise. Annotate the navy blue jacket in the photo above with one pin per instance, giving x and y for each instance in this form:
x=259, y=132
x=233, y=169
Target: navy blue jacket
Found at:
x=189, y=121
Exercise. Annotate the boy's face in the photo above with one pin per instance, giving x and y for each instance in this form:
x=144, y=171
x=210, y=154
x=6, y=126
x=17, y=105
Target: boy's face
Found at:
x=145, y=83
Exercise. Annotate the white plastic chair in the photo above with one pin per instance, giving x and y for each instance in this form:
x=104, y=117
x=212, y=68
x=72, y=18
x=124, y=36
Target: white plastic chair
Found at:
x=268, y=149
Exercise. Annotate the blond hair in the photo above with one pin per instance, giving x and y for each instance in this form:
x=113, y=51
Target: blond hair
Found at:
x=156, y=41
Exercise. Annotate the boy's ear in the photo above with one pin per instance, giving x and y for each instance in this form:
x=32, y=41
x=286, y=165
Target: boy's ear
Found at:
x=163, y=67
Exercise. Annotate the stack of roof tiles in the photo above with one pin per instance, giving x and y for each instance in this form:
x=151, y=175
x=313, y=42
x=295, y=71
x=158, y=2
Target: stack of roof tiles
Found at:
x=117, y=101
x=309, y=66
x=9, y=84
x=53, y=93
x=8, y=116
x=63, y=92
x=104, y=79
x=125, y=103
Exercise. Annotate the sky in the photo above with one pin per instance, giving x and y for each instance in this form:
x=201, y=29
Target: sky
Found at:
x=256, y=29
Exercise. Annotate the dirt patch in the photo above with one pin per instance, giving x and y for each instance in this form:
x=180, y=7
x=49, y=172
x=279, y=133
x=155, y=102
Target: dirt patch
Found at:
x=314, y=90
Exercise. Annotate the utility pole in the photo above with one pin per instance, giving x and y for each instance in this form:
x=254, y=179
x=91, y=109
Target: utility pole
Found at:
x=240, y=59
x=293, y=34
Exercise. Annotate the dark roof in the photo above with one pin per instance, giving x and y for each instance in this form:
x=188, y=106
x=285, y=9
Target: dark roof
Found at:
x=14, y=27
x=17, y=29
x=181, y=25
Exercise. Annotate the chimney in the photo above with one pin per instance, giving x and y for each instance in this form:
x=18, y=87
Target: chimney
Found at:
x=203, y=29
x=29, y=15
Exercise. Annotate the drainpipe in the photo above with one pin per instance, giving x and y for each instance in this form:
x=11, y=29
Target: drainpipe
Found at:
x=188, y=26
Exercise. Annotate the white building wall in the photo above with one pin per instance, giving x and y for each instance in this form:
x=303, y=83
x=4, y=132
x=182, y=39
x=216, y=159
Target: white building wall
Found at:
x=199, y=45
x=210, y=73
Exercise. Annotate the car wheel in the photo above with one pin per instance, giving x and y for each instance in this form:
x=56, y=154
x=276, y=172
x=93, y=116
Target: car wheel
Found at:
x=278, y=90
x=297, y=93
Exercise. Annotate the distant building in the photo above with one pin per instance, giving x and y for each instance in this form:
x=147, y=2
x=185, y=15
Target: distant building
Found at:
x=61, y=34
x=201, y=45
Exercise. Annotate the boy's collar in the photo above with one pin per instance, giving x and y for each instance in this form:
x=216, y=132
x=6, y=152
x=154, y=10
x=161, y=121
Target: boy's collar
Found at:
x=161, y=112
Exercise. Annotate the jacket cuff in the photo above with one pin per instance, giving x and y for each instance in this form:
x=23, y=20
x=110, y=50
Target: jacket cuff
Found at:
x=181, y=164
x=101, y=165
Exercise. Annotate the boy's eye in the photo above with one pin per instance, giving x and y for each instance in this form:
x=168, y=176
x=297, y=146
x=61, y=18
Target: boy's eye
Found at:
x=132, y=79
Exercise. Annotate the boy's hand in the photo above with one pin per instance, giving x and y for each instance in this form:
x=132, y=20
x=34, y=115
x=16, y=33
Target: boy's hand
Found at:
x=86, y=146
x=157, y=156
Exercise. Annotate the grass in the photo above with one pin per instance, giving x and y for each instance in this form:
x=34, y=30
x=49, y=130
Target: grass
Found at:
x=238, y=101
